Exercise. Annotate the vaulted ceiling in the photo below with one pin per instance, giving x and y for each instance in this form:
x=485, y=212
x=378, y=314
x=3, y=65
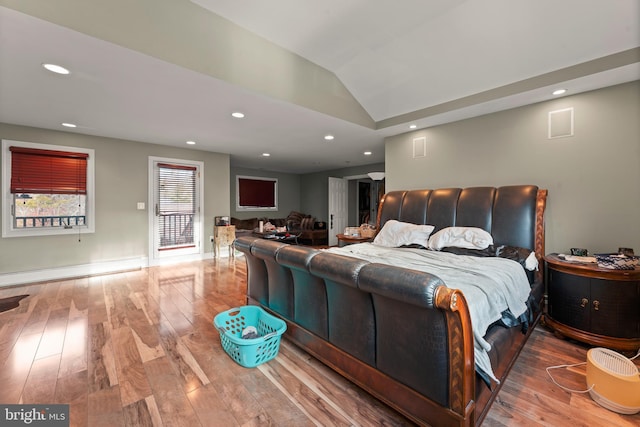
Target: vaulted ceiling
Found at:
x=168, y=71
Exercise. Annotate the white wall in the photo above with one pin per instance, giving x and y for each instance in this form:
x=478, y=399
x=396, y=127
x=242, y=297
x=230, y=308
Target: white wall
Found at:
x=593, y=177
x=121, y=236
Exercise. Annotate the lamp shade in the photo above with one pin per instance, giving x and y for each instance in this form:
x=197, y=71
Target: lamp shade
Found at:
x=376, y=176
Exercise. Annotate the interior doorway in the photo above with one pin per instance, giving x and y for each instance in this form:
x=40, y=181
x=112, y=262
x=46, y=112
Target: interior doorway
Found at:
x=377, y=192
x=364, y=201
x=364, y=195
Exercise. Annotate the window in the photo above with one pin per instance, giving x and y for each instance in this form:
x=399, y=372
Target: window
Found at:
x=254, y=193
x=176, y=205
x=47, y=189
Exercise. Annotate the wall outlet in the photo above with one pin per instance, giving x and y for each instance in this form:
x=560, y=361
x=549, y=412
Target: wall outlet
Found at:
x=211, y=239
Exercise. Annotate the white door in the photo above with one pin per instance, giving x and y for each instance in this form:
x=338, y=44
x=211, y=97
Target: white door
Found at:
x=338, y=208
x=174, y=208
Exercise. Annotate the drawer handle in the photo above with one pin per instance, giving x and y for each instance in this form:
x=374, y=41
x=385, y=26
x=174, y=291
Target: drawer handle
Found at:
x=596, y=305
x=584, y=302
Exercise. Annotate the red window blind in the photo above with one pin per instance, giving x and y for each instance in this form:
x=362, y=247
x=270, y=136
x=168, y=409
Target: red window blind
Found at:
x=48, y=171
x=173, y=166
x=259, y=193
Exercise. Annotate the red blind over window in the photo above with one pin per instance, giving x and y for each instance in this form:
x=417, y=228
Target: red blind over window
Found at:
x=174, y=166
x=48, y=171
x=256, y=193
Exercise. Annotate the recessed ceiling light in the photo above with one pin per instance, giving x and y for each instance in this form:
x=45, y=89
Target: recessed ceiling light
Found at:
x=329, y=137
x=367, y=153
x=191, y=142
x=58, y=69
x=69, y=125
x=265, y=154
x=237, y=114
x=559, y=91
x=413, y=126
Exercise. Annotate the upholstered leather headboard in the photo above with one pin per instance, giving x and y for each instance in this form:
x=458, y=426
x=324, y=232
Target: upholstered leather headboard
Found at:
x=512, y=214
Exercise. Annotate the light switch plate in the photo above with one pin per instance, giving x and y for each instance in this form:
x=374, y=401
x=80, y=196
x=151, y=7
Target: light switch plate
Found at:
x=140, y=206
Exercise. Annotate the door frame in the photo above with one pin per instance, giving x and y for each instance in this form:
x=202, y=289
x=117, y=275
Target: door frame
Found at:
x=358, y=178
x=193, y=254
x=336, y=223
x=348, y=178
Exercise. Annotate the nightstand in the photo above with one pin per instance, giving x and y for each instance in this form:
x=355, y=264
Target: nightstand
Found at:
x=344, y=240
x=224, y=235
x=597, y=306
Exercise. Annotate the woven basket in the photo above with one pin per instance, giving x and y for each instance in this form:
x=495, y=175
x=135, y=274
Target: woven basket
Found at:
x=367, y=231
x=617, y=262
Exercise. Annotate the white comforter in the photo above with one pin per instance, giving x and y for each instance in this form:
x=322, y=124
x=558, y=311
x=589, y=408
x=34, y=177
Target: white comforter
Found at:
x=489, y=284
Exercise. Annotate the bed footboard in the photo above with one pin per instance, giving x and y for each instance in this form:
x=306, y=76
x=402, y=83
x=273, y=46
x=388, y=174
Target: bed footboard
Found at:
x=399, y=334
x=460, y=338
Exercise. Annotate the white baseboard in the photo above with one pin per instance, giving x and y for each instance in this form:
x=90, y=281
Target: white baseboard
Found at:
x=95, y=268
x=57, y=273
x=180, y=258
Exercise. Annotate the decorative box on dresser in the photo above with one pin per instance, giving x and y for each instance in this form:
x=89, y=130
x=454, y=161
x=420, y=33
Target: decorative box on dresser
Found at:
x=597, y=306
x=223, y=235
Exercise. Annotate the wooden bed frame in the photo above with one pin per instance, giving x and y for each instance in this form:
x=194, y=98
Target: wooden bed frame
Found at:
x=281, y=275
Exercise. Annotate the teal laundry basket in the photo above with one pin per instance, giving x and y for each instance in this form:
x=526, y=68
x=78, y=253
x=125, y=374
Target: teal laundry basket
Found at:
x=255, y=351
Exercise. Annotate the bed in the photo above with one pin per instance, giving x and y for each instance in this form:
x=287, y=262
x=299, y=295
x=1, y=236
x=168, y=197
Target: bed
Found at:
x=403, y=331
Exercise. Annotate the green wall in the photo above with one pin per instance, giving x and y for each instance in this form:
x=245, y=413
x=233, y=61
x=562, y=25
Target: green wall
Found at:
x=315, y=196
x=593, y=177
x=121, y=180
x=307, y=193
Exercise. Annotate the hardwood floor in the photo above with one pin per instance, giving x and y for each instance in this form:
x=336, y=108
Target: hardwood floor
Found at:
x=139, y=349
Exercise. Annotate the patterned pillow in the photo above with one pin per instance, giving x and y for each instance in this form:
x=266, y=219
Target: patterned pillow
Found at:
x=307, y=223
x=295, y=218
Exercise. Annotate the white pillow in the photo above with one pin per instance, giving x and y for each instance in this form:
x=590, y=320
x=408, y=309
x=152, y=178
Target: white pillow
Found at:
x=460, y=237
x=531, y=263
x=395, y=233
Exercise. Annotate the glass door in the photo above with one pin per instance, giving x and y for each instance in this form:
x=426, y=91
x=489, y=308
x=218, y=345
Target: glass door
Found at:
x=176, y=228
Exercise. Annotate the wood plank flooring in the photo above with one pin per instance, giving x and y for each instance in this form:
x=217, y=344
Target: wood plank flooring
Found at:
x=139, y=349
